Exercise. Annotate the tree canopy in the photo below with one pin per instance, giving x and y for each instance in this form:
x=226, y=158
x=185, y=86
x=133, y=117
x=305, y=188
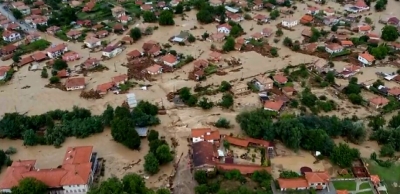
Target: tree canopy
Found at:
x=389, y=33
x=30, y=186
x=166, y=18
x=149, y=17
x=135, y=33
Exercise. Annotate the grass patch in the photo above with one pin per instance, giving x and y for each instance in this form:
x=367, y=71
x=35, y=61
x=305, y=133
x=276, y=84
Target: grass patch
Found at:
x=345, y=185
x=364, y=186
x=366, y=192
x=387, y=175
x=210, y=69
x=342, y=53
x=131, y=7
x=100, y=12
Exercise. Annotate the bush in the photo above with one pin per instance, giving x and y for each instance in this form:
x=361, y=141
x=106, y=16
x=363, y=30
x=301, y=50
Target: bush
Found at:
x=44, y=73
x=223, y=123
x=11, y=151
x=54, y=80
x=205, y=104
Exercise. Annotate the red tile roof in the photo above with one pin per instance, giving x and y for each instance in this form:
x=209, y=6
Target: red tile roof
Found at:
x=9, y=48
x=379, y=101
x=215, y=54
x=75, y=82
x=169, y=58
x=154, y=68
x=346, y=43
x=237, y=141
x=273, y=105
x=25, y=60
x=57, y=48
x=226, y=25
x=292, y=183
x=334, y=46
x=119, y=78
x=395, y=91
x=367, y=56
x=280, y=78
x=104, y=87
x=361, y=3
x=317, y=177
x=243, y=168
x=62, y=73
x=364, y=28
x=200, y=63
x=375, y=179
x=4, y=69
x=38, y=56
x=342, y=192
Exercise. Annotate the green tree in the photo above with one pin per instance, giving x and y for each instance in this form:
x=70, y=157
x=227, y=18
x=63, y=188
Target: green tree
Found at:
x=16, y=57
x=136, y=33
x=179, y=9
x=223, y=123
x=334, y=28
x=380, y=5
x=108, y=115
x=123, y=131
x=355, y=98
x=225, y=86
x=274, y=14
x=30, y=137
x=279, y=32
x=163, y=154
x=316, y=34
x=149, y=17
x=17, y=14
x=205, y=104
x=30, y=186
x=201, y=189
x=163, y=191
x=204, y=16
x=111, y=185
x=200, y=176
x=376, y=122
x=288, y=42
x=226, y=144
x=274, y=52
x=166, y=18
x=387, y=150
x=60, y=64
x=236, y=31
x=184, y=93
x=54, y=80
x=151, y=164
x=226, y=101
x=3, y=157
x=289, y=174
x=44, y=73
x=330, y=77
x=147, y=108
x=192, y=101
x=389, y=33
x=343, y=155
x=191, y=38
x=229, y=44
x=153, y=135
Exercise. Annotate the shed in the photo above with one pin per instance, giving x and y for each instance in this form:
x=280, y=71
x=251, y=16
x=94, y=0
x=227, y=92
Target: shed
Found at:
x=131, y=99
x=142, y=131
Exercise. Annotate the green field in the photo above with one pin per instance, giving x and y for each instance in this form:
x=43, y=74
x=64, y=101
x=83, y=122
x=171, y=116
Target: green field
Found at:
x=387, y=175
x=364, y=186
x=345, y=185
x=366, y=192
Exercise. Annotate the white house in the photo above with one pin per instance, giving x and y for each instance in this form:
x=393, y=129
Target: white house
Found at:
x=224, y=28
x=366, y=58
x=333, y=48
x=76, y=83
x=170, y=60
x=289, y=22
x=92, y=42
x=11, y=36
x=56, y=50
x=111, y=51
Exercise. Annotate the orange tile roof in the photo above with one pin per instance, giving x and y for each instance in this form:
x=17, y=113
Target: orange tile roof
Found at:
x=78, y=155
x=375, y=179
x=119, y=78
x=134, y=53
x=346, y=43
x=307, y=18
x=237, y=141
x=154, y=68
x=273, y=105
x=342, y=192
x=367, y=56
x=394, y=91
x=213, y=135
x=317, y=177
x=75, y=82
x=280, y=78
x=198, y=132
x=104, y=87
x=379, y=100
x=38, y=56
x=169, y=58
x=200, y=63
x=292, y=183
x=364, y=28
x=243, y=168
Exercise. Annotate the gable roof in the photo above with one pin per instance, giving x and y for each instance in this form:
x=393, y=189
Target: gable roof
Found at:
x=203, y=153
x=292, y=183
x=317, y=177
x=244, y=169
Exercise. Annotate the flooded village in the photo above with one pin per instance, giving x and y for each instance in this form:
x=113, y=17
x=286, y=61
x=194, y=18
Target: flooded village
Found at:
x=192, y=96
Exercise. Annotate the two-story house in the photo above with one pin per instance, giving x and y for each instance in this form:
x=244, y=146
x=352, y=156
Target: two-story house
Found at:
x=11, y=36
x=333, y=48
x=263, y=83
x=224, y=28
x=170, y=60
x=76, y=83
x=118, y=11
x=56, y=50
x=205, y=134
x=111, y=51
x=92, y=42
x=366, y=58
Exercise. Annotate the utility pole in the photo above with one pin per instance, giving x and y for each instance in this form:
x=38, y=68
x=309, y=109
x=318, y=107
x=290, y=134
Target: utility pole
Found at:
x=115, y=68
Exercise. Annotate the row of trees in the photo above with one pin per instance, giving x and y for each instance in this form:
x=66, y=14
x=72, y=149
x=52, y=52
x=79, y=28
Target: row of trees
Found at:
x=159, y=153
x=192, y=100
x=307, y=132
x=388, y=136
x=210, y=183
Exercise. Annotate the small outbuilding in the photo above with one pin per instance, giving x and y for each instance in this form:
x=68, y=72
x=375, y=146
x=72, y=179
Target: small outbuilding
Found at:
x=142, y=131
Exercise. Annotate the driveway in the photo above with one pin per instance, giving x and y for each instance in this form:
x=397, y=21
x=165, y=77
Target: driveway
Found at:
x=10, y=16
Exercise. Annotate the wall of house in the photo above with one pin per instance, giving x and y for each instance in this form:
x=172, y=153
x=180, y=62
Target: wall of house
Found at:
x=298, y=188
x=76, y=188
x=5, y=191
x=197, y=139
x=223, y=30
x=171, y=64
x=75, y=88
x=4, y=76
x=362, y=60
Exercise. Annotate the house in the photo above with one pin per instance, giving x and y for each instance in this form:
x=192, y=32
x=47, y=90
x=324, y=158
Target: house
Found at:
x=224, y=28
x=266, y=32
x=332, y=48
x=170, y=60
x=118, y=27
x=181, y=37
x=311, y=47
x=307, y=32
x=361, y=5
x=215, y=3
x=289, y=22
x=204, y=156
x=3, y=71
x=257, y=36
x=11, y=36
x=263, y=83
x=56, y=50
x=142, y=131
x=71, y=56
x=289, y=90
x=119, y=79
x=111, y=51
x=8, y=49
x=53, y=30
x=318, y=180
x=312, y=10
x=306, y=19
x=91, y=63
x=74, y=175
x=13, y=26
x=97, y=27
x=42, y=21
x=346, y=43
x=231, y=9
x=76, y=83
x=25, y=61
x=215, y=56
x=148, y=45
x=118, y=11
x=261, y=18
x=102, y=89
x=155, y=50
x=89, y=6
x=329, y=11
x=350, y=71
x=394, y=45
x=373, y=37
x=134, y=54
x=364, y=29
x=258, y=5
x=38, y=56
x=74, y=34
x=272, y=105
x=393, y=21
x=92, y=42
x=146, y=7
x=33, y=36
x=124, y=19
x=154, y=69
x=161, y=4
x=378, y=102
x=331, y=20
x=395, y=91
x=200, y=64
x=235, y=17
x=4, y=23
x=280, y=79
x=102, y=34
x=174, y=3
x=217, y=37
x=205, y=134
x=366, y=58
x=24, y=9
